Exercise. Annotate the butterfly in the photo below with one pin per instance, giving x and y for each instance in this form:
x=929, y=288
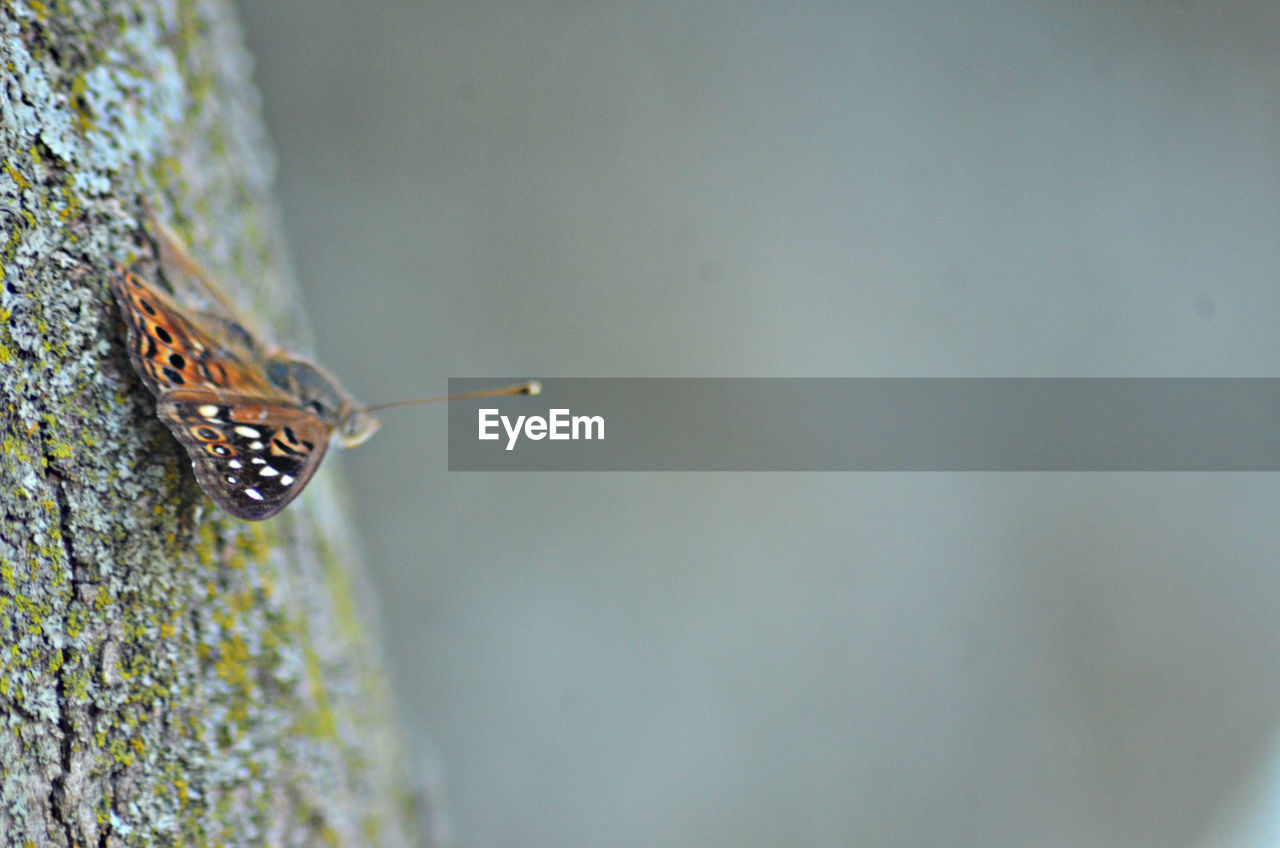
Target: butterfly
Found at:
x=255, y=419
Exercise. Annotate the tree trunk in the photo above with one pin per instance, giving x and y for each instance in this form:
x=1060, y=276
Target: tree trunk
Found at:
x=169, y=675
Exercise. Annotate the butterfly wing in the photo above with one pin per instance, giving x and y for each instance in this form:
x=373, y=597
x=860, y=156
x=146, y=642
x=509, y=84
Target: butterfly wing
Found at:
x=252, y=446
x=171, y=352
x=250, y=459
x=186, y=275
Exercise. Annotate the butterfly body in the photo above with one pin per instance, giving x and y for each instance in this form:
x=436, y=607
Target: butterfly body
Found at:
x=255, y=421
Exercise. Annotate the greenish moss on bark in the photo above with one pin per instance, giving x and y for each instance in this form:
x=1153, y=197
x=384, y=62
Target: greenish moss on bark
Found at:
x=168, y=675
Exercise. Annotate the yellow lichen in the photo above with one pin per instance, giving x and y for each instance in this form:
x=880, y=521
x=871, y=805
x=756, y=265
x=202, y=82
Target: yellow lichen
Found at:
x=16, y=175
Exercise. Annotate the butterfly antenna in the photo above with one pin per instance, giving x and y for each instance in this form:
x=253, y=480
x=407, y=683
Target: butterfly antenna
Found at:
x=532, y=387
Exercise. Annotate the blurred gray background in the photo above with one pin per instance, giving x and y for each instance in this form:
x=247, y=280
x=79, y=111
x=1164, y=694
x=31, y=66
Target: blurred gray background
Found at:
x=541, y=189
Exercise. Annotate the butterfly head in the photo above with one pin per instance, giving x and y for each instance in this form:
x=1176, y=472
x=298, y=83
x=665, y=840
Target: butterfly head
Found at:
x=356, y=425
x=320, y=395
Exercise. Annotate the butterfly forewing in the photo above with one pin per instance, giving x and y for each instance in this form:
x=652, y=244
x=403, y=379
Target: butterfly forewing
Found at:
x=171, y=352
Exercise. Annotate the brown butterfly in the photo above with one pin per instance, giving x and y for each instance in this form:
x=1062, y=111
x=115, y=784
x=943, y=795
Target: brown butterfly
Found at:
x=256, y=420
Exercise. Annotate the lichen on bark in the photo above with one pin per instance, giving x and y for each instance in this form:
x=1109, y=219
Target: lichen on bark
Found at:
x=168, y=675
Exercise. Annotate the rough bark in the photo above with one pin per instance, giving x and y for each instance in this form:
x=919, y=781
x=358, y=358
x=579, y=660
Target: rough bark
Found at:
x=168, y=675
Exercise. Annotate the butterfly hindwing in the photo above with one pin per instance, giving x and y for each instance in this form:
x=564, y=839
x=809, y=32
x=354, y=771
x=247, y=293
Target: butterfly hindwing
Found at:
x=250, y=459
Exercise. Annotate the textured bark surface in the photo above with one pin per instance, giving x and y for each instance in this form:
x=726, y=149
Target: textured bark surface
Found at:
x=168, y=675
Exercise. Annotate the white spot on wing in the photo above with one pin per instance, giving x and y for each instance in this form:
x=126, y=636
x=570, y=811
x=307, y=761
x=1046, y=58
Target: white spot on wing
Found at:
x=267, y=471
x=235, y=463
x=253, y=493
x=286, y=480
x=254, y=445
x=207, y=410
x=248, y=432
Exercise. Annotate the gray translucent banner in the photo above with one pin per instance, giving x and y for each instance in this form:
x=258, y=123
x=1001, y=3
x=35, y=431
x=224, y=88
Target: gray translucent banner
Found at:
x=643, y=424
